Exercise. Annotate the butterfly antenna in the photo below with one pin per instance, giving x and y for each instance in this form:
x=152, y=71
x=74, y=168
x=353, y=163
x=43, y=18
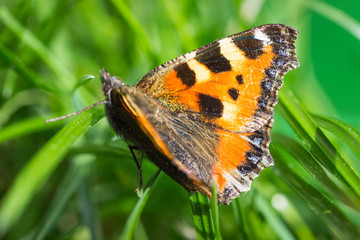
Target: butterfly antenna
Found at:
x=76, y=113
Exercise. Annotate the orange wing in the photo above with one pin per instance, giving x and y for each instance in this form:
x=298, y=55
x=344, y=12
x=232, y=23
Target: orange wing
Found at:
x=232, y=85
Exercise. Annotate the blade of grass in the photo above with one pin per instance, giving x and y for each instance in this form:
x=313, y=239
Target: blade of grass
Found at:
x=32, y=96
x=215, y=211
x=321, y=205
x=316, y=141
x=303, y=126
x=86, y=206
x=12, y=59
x=70, y=182
x=336, y=15
x=178, y=20
x=141, y=232
x=30, y=40
x=83, y=80
x=200, y=206
x=34, y=174
x=272, y=217
x=313, y=167
x=239, y=213
x=344, y=131
x=8, y=81
x=25, y=127
x=136, y=27
x=129, y=228
x=102, y=151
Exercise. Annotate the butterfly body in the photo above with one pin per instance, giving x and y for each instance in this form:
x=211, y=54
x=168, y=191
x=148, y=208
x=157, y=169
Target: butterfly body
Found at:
x=207, y=114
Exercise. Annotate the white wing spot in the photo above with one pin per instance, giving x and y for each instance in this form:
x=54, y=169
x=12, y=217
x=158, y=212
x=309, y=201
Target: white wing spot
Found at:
x=230, y=111
x=232, y=53
x=202, y=73
x=260, y=35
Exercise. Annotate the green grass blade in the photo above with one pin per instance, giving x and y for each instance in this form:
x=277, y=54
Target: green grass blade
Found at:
x=29, y=39
x=344, y=131
x=40, y=166
x=102, y=151
x=321, y=205
x=25, y=127
x=200, y=205
x=69, y=184
x=83, y=80
x=303, y=126
x=13, y=60
x=336, y=15
x=299, y=153
x=197, y=215
x=136, y=27
x=87, y=208
x=316, y=141
x=128, y=231
x=215, y=211
x=16, y=102
x=273, y=218
x=240, y=217
x=178, y=20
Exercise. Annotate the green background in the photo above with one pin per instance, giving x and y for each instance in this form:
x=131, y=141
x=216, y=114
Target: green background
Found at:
x=49, y=50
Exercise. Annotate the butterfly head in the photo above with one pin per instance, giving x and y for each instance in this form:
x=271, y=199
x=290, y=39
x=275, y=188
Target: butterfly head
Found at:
x=109, y=82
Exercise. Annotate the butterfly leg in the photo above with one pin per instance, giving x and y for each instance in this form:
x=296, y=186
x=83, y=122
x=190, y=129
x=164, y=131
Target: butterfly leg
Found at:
x=138, y=165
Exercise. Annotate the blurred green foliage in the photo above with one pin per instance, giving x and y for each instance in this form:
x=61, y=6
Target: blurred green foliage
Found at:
x=75, y=180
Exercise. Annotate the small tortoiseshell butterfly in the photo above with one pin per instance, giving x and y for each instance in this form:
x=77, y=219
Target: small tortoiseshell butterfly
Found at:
x=207, y=114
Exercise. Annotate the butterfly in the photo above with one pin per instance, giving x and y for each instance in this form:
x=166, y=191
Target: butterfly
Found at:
x=207, y=114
